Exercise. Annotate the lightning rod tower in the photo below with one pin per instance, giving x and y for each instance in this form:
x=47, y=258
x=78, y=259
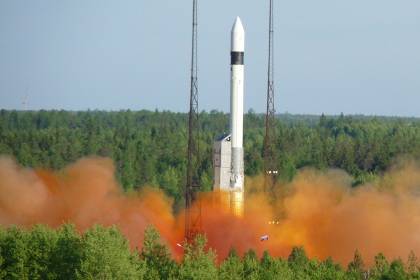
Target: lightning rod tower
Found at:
x=270, y=158
x=193, y=225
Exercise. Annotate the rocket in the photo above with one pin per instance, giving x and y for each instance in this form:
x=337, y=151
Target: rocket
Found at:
x=228, y=152
x=237, y=105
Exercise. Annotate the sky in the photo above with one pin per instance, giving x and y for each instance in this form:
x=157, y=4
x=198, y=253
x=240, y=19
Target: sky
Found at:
x=332, y=57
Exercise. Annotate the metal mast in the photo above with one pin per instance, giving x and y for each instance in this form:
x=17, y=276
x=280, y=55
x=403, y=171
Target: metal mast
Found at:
x=270, y=158
x=192, y=208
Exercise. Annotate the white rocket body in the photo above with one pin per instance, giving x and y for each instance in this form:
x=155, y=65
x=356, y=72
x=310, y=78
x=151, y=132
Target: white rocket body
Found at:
x=237, y=105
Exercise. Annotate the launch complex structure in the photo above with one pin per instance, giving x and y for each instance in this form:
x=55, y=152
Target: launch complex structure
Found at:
x=228, y=152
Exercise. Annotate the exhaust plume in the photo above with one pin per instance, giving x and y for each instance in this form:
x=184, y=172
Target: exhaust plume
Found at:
x=317, y=210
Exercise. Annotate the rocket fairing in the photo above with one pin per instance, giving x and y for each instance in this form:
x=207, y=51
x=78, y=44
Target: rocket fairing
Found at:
x=237, y=105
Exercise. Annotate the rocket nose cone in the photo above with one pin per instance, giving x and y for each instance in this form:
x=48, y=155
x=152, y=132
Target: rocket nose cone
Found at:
x=237, y=26
x=238, y=36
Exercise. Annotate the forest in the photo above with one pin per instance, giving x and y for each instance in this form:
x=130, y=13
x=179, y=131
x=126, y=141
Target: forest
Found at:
x=103, y=253
x=149, y=147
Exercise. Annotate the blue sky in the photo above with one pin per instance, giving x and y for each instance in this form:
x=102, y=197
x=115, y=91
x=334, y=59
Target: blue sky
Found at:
x=355, y=57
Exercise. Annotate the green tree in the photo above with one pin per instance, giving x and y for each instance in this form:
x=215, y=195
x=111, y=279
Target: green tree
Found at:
x=41, y=244
x=2, y=236
x=157, y=257
x=198, y=262
x=232, y=267
x=169, y=181
x=106, y=255
x=396, y=271
x=381, y=267
x=15, y=254
x=356, y=268
x=251, y=265
x=328, y=270
x=67, y=256
x=413, y=268
x=297, y=258
x=299, y=263
x=271, y=268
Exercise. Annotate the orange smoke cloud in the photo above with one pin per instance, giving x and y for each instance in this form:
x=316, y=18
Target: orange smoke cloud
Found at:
x=320, y=211
x=329, y=218
x=84, y=194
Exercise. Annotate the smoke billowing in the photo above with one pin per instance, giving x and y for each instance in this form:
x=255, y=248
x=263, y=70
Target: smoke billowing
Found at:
x=84, y=194
x=319, y=211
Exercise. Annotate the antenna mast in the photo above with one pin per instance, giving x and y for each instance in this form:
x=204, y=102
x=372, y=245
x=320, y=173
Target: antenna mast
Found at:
x=270, y=158
x=193, y=225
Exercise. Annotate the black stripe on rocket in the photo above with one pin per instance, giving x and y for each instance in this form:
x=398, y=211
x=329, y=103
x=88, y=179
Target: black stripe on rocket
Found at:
x=236, y=58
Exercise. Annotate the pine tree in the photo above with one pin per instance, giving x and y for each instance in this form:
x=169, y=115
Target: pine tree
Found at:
x=232, y=267
x=199, y=262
